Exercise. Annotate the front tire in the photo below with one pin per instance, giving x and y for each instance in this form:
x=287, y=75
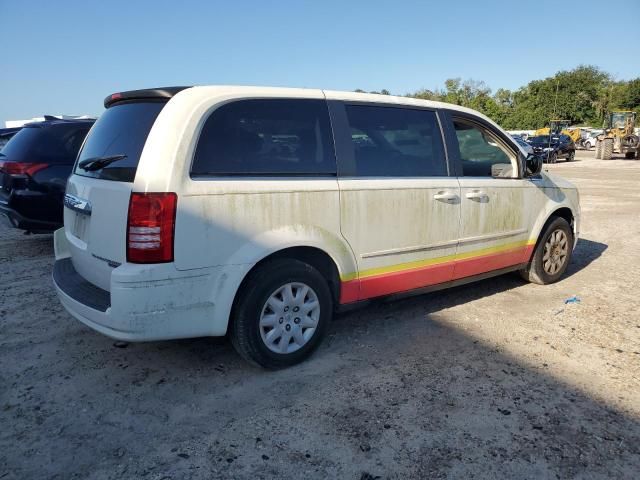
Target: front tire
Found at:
x=552, y=254
x=281, y=314
x=607, y=148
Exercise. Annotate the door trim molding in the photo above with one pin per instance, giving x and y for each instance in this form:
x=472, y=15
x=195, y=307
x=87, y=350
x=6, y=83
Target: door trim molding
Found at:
x=413, y=249
x=451, y=243
x=492, y=236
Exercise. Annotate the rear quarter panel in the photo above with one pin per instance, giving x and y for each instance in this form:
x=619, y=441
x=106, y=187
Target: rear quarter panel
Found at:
x=243, y=221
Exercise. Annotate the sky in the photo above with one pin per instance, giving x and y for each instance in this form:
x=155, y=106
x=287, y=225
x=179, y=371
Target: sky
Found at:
x=64, y=57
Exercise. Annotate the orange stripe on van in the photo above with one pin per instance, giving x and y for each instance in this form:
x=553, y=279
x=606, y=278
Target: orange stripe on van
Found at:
x=453, y=267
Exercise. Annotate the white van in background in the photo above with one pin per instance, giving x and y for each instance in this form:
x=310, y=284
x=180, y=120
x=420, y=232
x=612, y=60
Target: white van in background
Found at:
x=260, y=211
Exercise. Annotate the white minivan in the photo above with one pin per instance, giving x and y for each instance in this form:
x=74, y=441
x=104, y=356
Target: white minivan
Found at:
x=259, y=212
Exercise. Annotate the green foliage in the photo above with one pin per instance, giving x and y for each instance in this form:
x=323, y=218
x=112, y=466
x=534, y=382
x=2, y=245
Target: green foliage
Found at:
x=583, y=95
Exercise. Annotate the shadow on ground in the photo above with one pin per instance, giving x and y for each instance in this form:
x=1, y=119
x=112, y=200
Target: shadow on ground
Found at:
x=393, y=392
x=586, y=252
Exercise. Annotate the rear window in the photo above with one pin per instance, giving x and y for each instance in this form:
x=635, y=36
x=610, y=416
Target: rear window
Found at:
x=51, y=144
x=266, y=137
x=120, y=130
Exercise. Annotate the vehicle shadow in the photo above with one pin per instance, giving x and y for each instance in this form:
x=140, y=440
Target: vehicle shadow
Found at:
x=396, y=391
x=585, y=253
x=401, y=389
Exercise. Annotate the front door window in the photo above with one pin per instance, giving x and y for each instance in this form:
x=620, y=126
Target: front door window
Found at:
x=481, y=153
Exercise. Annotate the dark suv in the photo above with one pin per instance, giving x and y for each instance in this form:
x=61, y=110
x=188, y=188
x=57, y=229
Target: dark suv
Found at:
x=553, y=147
x=34, y=167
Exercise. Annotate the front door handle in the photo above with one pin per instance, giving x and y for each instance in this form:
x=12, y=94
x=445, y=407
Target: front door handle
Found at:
x=446, y=196
x=477, y=195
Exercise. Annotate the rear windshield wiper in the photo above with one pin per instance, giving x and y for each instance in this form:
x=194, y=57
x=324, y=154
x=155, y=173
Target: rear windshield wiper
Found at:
x=96, y=163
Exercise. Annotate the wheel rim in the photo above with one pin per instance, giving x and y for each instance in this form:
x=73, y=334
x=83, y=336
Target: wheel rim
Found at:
x=289, y=318
x=556, y=250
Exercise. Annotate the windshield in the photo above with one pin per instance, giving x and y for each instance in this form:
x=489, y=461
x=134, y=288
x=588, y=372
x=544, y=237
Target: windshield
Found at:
x=618, y=120
x=542, y=140
x=121, y=130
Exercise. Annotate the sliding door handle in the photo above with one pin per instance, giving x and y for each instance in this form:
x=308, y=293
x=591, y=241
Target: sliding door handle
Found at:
x=446, y=196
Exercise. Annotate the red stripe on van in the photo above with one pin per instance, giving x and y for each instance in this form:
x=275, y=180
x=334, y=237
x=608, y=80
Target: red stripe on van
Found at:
x=396, y=282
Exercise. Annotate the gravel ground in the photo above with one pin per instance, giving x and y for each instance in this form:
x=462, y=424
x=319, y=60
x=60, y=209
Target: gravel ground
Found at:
x=494, y=379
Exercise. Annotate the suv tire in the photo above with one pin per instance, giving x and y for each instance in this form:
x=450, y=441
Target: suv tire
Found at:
x=552, y=253
x=278, y=297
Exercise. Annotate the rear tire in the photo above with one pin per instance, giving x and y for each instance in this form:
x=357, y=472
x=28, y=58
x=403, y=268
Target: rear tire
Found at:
x=607, y=149
x=552, y=254
x=281, y=314
x=630, y=155
x=572, y=156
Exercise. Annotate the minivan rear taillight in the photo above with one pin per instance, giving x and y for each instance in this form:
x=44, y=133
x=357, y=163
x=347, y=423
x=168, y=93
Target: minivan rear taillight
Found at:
x=150, y=227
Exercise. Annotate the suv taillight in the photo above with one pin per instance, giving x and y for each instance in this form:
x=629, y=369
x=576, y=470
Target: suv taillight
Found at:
x=21, y=168
x=150, y=227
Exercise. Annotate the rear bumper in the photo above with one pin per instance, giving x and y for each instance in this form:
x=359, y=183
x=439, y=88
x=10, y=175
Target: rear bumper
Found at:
x=148, y=302
x=18, y=220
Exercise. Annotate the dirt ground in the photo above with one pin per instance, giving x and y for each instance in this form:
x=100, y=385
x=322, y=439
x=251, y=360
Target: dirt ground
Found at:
x=494, y=379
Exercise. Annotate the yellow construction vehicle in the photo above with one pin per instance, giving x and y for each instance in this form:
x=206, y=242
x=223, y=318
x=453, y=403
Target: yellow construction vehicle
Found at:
x=555, y=127
x=618, y=136
x=575, y=133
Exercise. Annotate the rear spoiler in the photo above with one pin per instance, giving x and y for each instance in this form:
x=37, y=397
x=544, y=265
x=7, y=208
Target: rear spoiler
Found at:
x=162, y=93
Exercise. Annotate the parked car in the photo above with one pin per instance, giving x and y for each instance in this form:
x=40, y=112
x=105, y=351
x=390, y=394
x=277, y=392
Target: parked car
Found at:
x=260, y=211
x=6, y=134
x=34, y=167
x=589, y=141
x=522, y=143
x=553, y=147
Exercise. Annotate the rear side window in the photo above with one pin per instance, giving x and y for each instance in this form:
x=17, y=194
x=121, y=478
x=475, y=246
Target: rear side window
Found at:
x=266, y=137
x=51, y=144
x=396, y=142
x=120, y=130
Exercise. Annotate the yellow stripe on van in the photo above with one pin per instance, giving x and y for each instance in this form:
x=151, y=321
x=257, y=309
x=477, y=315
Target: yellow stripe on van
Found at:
x=372, y=272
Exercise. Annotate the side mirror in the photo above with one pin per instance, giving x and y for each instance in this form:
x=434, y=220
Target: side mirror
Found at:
x=532, y=165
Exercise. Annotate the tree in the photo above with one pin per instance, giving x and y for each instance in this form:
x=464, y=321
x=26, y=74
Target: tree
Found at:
x=584, y=96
